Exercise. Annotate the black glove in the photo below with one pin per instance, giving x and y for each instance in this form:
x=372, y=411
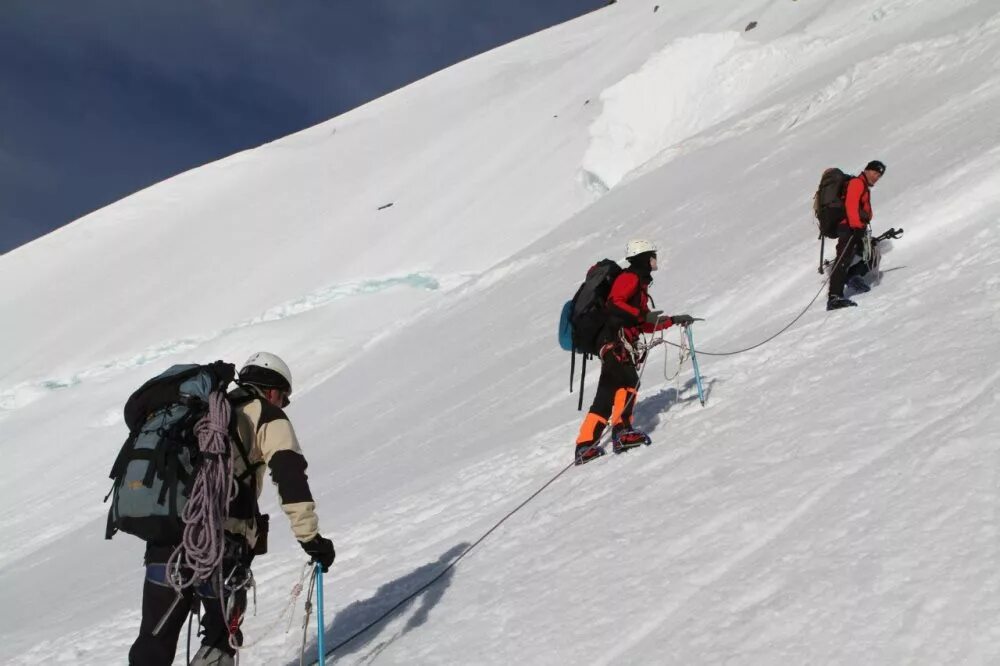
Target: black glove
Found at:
x=682, y=319
x=653, y=316
x=320, y=550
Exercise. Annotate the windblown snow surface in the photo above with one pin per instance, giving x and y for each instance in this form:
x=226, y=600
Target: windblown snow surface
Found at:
x=837, y=500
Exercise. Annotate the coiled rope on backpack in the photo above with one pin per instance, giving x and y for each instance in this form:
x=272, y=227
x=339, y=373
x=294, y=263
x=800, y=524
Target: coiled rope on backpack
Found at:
x=200, y=552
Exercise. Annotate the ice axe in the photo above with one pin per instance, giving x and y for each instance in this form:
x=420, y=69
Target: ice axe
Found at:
x=694, y=359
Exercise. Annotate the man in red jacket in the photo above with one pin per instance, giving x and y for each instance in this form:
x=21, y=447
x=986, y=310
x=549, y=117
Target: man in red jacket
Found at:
x=858, y=206
x=629, y=316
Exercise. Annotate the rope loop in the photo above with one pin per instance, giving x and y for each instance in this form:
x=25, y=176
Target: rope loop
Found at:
x=200, y=552
x=784, y=328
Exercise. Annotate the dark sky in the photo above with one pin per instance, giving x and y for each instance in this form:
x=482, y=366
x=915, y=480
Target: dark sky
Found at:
x=101, y=98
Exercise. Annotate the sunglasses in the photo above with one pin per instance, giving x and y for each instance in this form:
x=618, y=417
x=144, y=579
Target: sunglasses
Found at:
x=285, y=401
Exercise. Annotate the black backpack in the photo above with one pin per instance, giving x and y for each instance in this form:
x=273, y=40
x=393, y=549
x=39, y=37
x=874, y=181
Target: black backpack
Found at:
x=828, y=202
x=587, y=314
x=156, y=467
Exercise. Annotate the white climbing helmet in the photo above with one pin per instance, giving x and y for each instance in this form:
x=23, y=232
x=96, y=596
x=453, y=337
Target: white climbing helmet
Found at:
x=636, y=247
x=267, y=371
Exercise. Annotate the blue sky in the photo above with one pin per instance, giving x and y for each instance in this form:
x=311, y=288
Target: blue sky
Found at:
x=99, y=99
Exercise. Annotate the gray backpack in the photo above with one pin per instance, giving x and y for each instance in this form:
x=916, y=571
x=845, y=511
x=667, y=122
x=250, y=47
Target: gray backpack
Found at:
x=156, y=467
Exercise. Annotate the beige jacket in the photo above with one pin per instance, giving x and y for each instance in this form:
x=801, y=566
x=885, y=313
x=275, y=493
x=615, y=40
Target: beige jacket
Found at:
x=269, y=440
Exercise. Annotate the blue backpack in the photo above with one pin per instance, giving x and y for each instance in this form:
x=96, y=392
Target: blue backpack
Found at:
x=156, y=467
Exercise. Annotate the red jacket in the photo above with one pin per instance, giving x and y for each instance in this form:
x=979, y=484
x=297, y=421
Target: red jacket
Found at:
x=857, y=203
x=628, y=301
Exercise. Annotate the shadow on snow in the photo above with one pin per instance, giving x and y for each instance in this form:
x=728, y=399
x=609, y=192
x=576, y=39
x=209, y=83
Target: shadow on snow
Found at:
x=650, y=410
x=358, y=615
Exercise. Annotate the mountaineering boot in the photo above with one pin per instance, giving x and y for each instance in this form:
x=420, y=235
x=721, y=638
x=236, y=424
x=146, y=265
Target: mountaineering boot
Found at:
x=858, y=284
x=629, y=439
x=212, y=656
x=587, y=452
x=837, y=302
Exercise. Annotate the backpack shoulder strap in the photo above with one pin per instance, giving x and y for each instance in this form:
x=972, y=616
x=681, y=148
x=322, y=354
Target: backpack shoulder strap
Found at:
x=572, y=367
x=234, y=436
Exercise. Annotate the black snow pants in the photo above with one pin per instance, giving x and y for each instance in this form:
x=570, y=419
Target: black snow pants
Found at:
x=158, y=598
x=617, y=392
x=848, y=244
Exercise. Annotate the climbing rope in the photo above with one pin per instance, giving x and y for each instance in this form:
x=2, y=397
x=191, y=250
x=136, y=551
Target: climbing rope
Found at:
x=451, y=565
x=644, y=348
x=199, y=555
x=763, y=342
x=287, y=610
x=683, y=355
x=784, y=328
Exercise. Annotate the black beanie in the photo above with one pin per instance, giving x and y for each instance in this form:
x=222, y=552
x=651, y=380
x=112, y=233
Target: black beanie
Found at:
x=876, y=165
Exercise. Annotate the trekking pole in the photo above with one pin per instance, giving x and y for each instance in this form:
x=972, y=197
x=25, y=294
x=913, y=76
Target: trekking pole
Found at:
x=822, y=241
x=694, y=362
x=320, y=625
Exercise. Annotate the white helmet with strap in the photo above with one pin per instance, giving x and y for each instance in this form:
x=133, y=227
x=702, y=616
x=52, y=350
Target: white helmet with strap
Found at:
x=637, y=247
x=267, y=371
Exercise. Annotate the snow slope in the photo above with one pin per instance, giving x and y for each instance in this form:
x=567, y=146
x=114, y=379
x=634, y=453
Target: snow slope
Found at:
x=836, y=501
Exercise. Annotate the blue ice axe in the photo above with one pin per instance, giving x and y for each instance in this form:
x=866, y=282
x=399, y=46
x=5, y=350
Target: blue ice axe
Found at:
x=694, y=362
